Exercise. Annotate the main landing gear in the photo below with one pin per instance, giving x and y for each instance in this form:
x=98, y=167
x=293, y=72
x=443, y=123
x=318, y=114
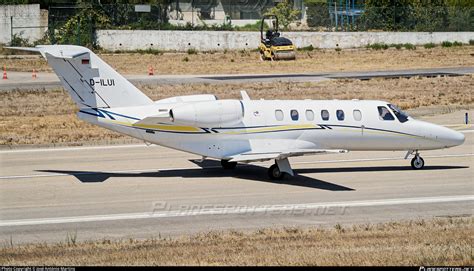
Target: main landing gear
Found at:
x=417, y=162
x=278, y=170
x=226, y=164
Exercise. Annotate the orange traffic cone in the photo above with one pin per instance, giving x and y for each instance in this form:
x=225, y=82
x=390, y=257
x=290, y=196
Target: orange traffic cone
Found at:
x=5, y=72
x=151, y=71
x=33, y=75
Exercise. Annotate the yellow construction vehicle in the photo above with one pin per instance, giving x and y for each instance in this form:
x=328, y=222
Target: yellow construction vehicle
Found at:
x=272, y=46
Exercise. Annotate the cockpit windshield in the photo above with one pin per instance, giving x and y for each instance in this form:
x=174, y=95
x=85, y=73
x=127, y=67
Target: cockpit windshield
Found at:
x=401, y=116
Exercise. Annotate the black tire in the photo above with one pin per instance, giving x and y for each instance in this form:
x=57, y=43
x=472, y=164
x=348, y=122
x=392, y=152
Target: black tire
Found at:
x=274, y=173
x=417, y=163
x=228, y=165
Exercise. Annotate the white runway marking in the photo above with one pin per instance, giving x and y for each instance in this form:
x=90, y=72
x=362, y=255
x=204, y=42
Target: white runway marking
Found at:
x=234, y=210
x=466, y=131
x=78, y=148
x=211, y=167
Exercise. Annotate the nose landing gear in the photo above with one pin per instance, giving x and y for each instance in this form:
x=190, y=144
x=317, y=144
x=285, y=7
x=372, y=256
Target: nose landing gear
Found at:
x=417, y=162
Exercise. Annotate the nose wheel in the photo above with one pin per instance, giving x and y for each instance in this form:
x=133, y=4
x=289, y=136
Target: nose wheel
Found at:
x=417, y=162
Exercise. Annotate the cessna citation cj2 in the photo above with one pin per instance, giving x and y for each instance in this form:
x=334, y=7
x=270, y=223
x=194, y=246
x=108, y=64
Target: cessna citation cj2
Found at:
x=239, y=131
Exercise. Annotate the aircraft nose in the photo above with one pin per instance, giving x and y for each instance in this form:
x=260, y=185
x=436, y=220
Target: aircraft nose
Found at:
x=452, y=138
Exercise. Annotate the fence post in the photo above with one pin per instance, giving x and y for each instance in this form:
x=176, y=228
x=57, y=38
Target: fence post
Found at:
x=11, y=30
x=466, y=118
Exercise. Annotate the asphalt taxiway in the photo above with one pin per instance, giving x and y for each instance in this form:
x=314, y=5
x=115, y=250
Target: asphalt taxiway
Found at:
x=135, y=191
x=24, y=81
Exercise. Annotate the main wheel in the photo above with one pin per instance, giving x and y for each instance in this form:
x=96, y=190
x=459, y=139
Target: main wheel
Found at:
x=274, y=173
x=417, y=162
x=228, y=165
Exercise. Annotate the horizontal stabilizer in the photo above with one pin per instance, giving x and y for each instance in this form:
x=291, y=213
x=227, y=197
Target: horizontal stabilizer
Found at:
x=55, y=51
x=155, y=119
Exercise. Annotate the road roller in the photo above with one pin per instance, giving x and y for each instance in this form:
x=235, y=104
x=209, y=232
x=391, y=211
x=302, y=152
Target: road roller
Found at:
x=272, y=45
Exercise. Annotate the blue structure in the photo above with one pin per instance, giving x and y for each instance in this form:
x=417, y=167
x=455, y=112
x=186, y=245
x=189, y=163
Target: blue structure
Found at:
x=344, y=13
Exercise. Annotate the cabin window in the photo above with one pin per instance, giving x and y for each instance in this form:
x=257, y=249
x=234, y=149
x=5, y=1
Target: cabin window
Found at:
x=279, y=115
x=340, y=114
x=384, y=114
x=294, y=114
x=357, y=115
x=325, y=114
x=309, y=115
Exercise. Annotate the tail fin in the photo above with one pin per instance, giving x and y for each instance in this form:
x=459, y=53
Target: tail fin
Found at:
x=89, y=80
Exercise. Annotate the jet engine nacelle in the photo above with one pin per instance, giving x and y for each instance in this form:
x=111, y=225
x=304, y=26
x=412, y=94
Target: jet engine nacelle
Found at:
x=217, y=113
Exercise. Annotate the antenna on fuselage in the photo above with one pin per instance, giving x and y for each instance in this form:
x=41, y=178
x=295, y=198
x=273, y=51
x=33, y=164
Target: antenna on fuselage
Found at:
x=245, y=95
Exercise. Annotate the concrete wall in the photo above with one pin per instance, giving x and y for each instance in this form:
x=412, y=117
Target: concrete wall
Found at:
x=28, y=16
x=220, y=40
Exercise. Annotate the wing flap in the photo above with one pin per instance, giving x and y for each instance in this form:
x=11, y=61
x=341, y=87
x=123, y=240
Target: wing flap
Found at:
x=254, y=157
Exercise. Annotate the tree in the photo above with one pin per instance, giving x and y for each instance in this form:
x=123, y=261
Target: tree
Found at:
x=388, y=15
x=285, y=13
x=317, y=13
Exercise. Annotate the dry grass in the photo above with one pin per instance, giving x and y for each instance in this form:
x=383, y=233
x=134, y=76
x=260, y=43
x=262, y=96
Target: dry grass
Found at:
x=48, y=117
x=234, y=62
x=442, y=241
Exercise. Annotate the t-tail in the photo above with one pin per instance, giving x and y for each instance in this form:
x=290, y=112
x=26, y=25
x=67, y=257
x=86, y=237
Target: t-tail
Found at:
x=90, y=81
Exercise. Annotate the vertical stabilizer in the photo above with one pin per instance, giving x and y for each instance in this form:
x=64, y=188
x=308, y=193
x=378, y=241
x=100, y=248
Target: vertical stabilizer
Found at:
x=89, y=80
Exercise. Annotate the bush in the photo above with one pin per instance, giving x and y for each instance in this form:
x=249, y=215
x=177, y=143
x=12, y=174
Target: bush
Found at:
x=429, y=45
x=18, y=40
x=409, y=46
x=471, y=42
x=378, y=46
x=446, y=44
x=192, y=51
x=150, y=51
x=457, y=43
x=306, y=48
x=186, y=59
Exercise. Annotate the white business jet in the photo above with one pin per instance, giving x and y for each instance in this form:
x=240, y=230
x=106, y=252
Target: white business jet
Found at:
x=240, y=131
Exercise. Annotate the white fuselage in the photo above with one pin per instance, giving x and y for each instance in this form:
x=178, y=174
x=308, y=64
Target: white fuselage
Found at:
x=267, y=125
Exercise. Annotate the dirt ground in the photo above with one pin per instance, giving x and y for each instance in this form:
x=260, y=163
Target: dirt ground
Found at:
x=442, y=241
x=247, y=62
x=48, y=117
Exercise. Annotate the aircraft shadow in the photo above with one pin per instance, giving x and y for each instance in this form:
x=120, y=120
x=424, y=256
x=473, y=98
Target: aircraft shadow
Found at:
x=211, y=169
x=372, y=169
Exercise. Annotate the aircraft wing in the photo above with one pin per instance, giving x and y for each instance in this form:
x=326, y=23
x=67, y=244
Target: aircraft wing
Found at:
x=254, y=157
